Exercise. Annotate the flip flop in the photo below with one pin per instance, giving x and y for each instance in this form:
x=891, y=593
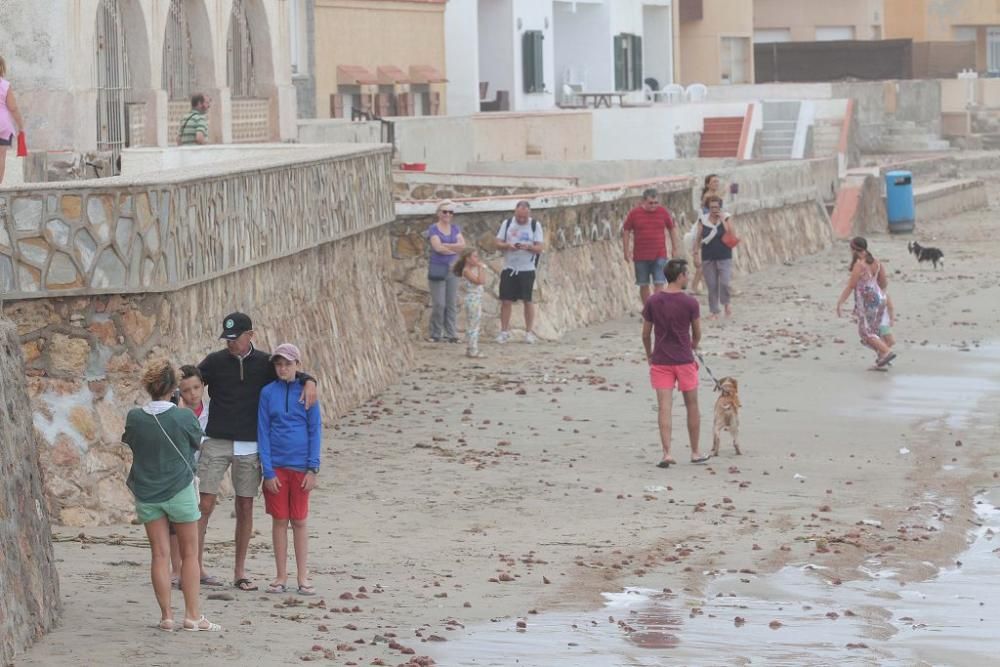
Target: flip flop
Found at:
x=702, y=459
x=881, y=363
x=211, y=580
x=306, y=590
x=665, y=464
x=276, y=588
x=245, y=584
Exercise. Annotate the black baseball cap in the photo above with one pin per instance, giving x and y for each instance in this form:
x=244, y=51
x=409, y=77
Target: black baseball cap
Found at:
x=235, y=325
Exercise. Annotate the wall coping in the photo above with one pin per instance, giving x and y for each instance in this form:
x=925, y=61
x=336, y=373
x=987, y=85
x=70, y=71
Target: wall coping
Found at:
x=549, y=199
x=302, y=155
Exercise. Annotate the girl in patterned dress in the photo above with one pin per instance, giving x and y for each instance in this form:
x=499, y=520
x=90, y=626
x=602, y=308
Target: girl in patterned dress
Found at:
x=867, y=282
x=470, y=268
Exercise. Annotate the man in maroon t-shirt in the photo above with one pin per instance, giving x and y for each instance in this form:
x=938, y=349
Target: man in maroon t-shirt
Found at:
x=674, y=316
x=646, y=226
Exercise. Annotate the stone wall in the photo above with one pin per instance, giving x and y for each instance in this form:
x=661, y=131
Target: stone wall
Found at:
x=162, y=231
x=29, y=585
x=582, y=277
x=84, y=354
x=292, y=241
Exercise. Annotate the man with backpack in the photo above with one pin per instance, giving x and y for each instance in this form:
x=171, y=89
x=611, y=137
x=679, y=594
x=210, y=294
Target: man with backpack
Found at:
x=194, y=126
x=521, y=240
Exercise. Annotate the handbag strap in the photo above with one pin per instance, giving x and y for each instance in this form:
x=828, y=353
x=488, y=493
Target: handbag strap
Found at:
x=176, y=449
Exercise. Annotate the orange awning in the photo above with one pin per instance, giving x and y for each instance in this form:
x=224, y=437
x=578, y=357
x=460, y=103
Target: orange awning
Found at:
x=354, y=75
x=426, y=74
x=390, y=74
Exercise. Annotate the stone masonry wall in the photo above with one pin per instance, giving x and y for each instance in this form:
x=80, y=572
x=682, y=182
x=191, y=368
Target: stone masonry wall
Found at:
x=29, y=585
x=84, y=355
x=582, y=277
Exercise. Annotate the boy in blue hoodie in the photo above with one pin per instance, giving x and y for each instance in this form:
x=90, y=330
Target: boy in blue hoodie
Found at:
x=288, y=439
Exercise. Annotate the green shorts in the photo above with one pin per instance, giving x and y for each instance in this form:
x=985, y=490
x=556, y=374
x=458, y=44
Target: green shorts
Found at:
x=181, y=508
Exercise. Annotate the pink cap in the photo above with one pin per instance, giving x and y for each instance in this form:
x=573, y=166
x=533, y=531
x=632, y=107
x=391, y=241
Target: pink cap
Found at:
x=288, y=351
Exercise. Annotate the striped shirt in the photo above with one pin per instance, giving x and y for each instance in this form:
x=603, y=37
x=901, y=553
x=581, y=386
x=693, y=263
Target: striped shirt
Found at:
x=192, y=124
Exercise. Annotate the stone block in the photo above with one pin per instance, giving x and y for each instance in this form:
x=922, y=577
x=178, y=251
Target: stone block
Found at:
x=69, y=355
x=137, y=327
x=72, y=206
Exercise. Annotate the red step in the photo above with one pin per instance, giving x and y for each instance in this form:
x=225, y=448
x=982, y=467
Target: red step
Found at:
x=721, y=137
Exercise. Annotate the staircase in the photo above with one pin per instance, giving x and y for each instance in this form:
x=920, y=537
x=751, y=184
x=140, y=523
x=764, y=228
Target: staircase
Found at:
x=721, y=137
x=826, y=136
x=777, y=136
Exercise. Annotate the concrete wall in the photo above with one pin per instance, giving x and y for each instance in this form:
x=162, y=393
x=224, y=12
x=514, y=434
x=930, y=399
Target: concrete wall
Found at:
x=803, y=18
x=379, y=32
x=424, y=185
x=533, y=15
x=583, y=48
x=339, y=131
x=495, y=28
x=29, y=584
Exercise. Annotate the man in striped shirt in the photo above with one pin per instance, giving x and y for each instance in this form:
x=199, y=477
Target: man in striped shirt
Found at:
x=194, y=126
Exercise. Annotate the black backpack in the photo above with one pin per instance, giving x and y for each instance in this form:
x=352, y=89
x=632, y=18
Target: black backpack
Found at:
x=534, y=226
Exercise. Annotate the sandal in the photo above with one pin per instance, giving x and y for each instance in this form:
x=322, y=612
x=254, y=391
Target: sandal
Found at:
x=201, y=625
x=702, y=459
x=211, y=580
x=306, y=589
x=665, y=463
x=886, y=360
x=167, y=625
x=276, y=588
x=245, y=585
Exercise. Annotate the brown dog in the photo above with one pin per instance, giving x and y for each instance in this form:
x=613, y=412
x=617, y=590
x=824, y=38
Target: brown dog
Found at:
x=727, y=413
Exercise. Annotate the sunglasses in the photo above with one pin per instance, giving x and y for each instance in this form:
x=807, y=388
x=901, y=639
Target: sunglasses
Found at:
x=447, y=212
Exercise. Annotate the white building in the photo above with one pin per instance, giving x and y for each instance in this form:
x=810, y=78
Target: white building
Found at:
x=104, y=74
x=531, y=49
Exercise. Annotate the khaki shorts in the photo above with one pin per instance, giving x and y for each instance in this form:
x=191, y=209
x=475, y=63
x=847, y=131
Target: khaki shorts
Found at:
x=216, y=457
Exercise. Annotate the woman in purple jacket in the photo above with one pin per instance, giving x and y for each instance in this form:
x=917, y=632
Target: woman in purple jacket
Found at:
x=288, y=441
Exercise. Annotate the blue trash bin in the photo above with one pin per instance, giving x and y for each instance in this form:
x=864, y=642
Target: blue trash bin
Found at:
x=899, y=201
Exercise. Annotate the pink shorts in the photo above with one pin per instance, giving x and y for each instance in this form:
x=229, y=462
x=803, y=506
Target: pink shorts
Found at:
x=684, y=376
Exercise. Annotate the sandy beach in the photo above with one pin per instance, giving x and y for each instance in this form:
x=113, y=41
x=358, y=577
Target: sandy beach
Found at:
x=483, y=492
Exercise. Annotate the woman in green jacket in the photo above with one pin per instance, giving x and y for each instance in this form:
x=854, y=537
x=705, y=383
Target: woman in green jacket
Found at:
x=163, y=439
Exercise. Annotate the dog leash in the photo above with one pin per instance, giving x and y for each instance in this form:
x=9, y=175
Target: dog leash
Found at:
x=707, y=369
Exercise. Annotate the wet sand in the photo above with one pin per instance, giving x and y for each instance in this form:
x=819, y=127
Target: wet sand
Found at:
x=483, y=493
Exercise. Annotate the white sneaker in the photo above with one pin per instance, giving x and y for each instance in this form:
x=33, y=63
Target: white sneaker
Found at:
x=530, y=338
x=503, y=337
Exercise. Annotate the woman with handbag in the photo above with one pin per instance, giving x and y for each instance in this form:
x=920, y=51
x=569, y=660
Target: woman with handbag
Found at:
x=446, y=244
x=9, y=116
x=163, y=439
x=715, y=239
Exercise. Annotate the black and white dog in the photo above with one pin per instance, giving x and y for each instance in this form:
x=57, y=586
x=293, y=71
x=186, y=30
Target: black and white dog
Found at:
x=932, y=255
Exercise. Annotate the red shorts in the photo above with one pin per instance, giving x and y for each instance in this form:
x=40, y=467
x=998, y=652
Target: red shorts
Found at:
x=291, y=501
x=684, y=376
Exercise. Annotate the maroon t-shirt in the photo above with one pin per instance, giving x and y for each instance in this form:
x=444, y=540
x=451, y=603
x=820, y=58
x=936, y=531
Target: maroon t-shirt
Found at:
x=650, y=229
x=671, y=315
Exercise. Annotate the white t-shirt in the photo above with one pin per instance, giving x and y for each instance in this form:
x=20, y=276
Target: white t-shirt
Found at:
x=520, y=260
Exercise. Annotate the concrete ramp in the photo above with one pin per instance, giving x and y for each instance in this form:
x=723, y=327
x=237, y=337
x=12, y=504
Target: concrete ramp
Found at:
x=859, y=208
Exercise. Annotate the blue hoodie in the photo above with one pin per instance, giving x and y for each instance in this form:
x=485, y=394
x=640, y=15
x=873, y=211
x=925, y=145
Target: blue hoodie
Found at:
x=288, y=435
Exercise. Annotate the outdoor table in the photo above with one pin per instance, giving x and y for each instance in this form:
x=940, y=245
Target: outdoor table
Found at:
x=599, y=100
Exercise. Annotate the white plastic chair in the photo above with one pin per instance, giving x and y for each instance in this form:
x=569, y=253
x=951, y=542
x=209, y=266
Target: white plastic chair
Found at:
x=696, y=92
x=672, y=93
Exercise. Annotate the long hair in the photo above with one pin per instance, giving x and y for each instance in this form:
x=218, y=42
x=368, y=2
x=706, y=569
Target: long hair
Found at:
x=859, y=243
x=704, y=187
x=458, y=268
x=3, y=67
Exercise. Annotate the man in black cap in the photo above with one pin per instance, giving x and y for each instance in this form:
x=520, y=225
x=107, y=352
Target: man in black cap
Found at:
x=234, y=378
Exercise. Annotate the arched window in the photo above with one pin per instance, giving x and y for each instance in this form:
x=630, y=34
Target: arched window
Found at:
x=239, y=54
x=178, y=74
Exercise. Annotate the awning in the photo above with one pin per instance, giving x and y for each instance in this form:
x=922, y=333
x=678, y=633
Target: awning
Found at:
x=390, y=74
x=426, y=74
x=354, y=75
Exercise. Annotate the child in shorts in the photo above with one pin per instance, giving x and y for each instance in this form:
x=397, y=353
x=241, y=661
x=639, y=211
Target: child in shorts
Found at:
x=288, y=441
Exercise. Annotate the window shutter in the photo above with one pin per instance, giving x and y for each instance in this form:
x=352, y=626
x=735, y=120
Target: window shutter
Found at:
x=532, y=60
x=620, y=81
x=636, y=62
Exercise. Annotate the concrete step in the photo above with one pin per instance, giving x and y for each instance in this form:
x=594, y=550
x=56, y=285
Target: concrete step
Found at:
x=788, y=111
x=778, y=135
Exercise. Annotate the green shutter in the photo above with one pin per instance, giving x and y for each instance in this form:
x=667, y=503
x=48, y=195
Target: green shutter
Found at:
x=620, y=74
x=636, y=62
x=532, y=61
